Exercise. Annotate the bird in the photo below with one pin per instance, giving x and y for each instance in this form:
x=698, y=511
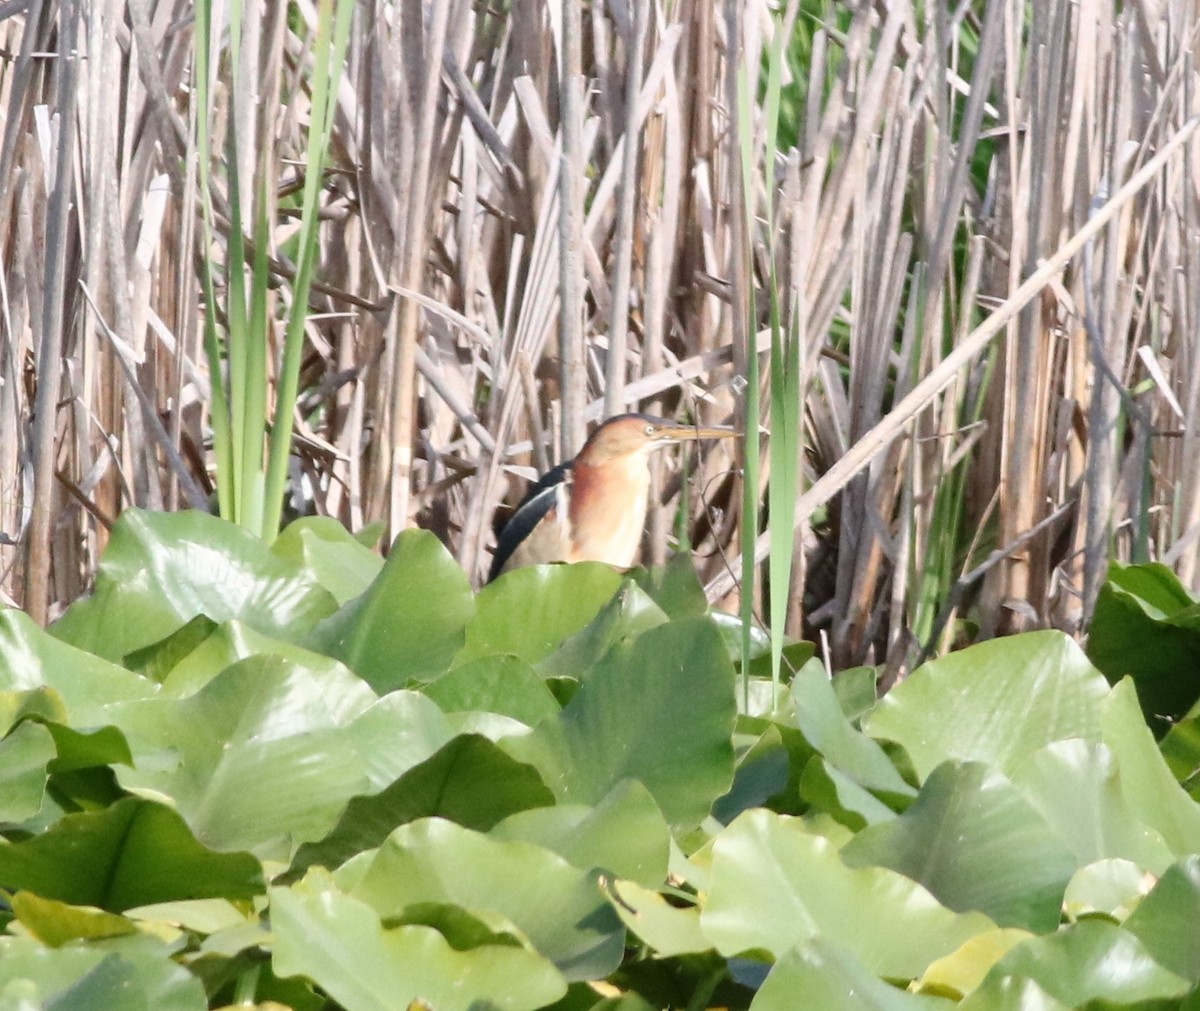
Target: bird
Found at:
x=592, y=508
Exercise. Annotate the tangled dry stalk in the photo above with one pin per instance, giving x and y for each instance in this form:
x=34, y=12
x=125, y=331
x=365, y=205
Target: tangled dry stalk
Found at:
x=931, y=159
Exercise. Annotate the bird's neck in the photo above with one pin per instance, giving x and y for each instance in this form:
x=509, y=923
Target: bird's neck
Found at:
x=609, y=509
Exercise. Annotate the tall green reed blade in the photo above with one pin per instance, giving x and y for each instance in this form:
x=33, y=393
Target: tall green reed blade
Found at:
x=785, y=393
x=222, y=434
x=785, y=399
x=333, y=32
x=750, y=476
x=252, y=466
x=238, y=416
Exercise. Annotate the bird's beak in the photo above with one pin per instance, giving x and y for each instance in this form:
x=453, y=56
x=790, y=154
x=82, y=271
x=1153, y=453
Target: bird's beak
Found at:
x=679, y=433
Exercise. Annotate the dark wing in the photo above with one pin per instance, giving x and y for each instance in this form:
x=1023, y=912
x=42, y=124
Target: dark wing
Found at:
x=538, y=501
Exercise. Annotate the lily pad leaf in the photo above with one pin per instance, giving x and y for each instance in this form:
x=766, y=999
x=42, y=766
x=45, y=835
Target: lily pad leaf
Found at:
x=963, y=970
x=79, y=749
x=557, y=907
x=469, y=781
x=1148, y=603
x=130, y=973
x=832, y=978
x=41, y=675
x=258, y=755
x=134, y=853
x=334, y=556
x=224, y=646
x=1009, y=697
x=775, y=885
x=624, y=835
x=55, y=923
x=975, y=842
x=494, y=684
x=266, y=756
x=24, y=755
x=158, y=659
x=829, y=789
x=627, y=615
x=1165, y=920
x=1011, y=993
x=409, y=622
x=668, y=929
x=675, y=587
x=1093, y=959
x=623, y=723
x=35, y=703
x=339, y=943
x=817, y=712
x=530, y=612
x=161, y=570
x=1111, y=887
x=1149, y=788
x=763, y=772
x=1077, y=788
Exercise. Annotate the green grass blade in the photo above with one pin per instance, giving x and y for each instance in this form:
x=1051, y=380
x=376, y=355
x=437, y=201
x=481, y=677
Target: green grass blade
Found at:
x=785, y=403
x=750, y=476
x=333, y=29
x=219, y=410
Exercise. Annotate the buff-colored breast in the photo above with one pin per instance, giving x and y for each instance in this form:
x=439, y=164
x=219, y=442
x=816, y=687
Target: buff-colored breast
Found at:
x=608, y=510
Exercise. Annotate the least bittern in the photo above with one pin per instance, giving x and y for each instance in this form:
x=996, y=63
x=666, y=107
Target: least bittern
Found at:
x=592, y=508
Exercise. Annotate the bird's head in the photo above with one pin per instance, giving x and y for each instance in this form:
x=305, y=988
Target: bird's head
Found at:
x=637, y=435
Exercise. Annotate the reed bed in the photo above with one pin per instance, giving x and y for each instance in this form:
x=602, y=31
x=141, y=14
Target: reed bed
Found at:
x=972, y=449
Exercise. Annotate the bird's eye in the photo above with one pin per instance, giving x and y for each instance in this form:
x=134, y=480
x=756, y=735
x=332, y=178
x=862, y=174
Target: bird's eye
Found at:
x=649, y=429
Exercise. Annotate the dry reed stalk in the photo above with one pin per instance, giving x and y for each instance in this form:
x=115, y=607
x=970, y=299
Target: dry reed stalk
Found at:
x=893, y=424
x=50, y=346
x=940, y=154
x=571, y=348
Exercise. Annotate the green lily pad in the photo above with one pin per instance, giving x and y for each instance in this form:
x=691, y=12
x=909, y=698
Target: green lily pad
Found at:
x=55, y=923
x=24, y=755
x=674, y=587
x=1076, y=787
x=775, y=885
x=494, y=684
x=336, y=558
x=1140, y=604
x=80, y=749
x=624, y=835
x=531, y=611
x=340, y=943
x=131, y=854
x=161, y=570
x=1165, y=920
x=557, y=907
x=817, y=712
x=627, y=615
x=121, y=974
x=669, y=930
x=469, y=781
x=1008, y=698
x=1011, y=993
x=1111, y=887
x=826, y=788
x=409, y=622
x=964, y=969
x=763, y=772
x=64, y=683
x=267, y=754
x=624, y=723
x=831, y=978
x=1150, y=790
x=974, y=840
x=1089, y=960
x=186, y=661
